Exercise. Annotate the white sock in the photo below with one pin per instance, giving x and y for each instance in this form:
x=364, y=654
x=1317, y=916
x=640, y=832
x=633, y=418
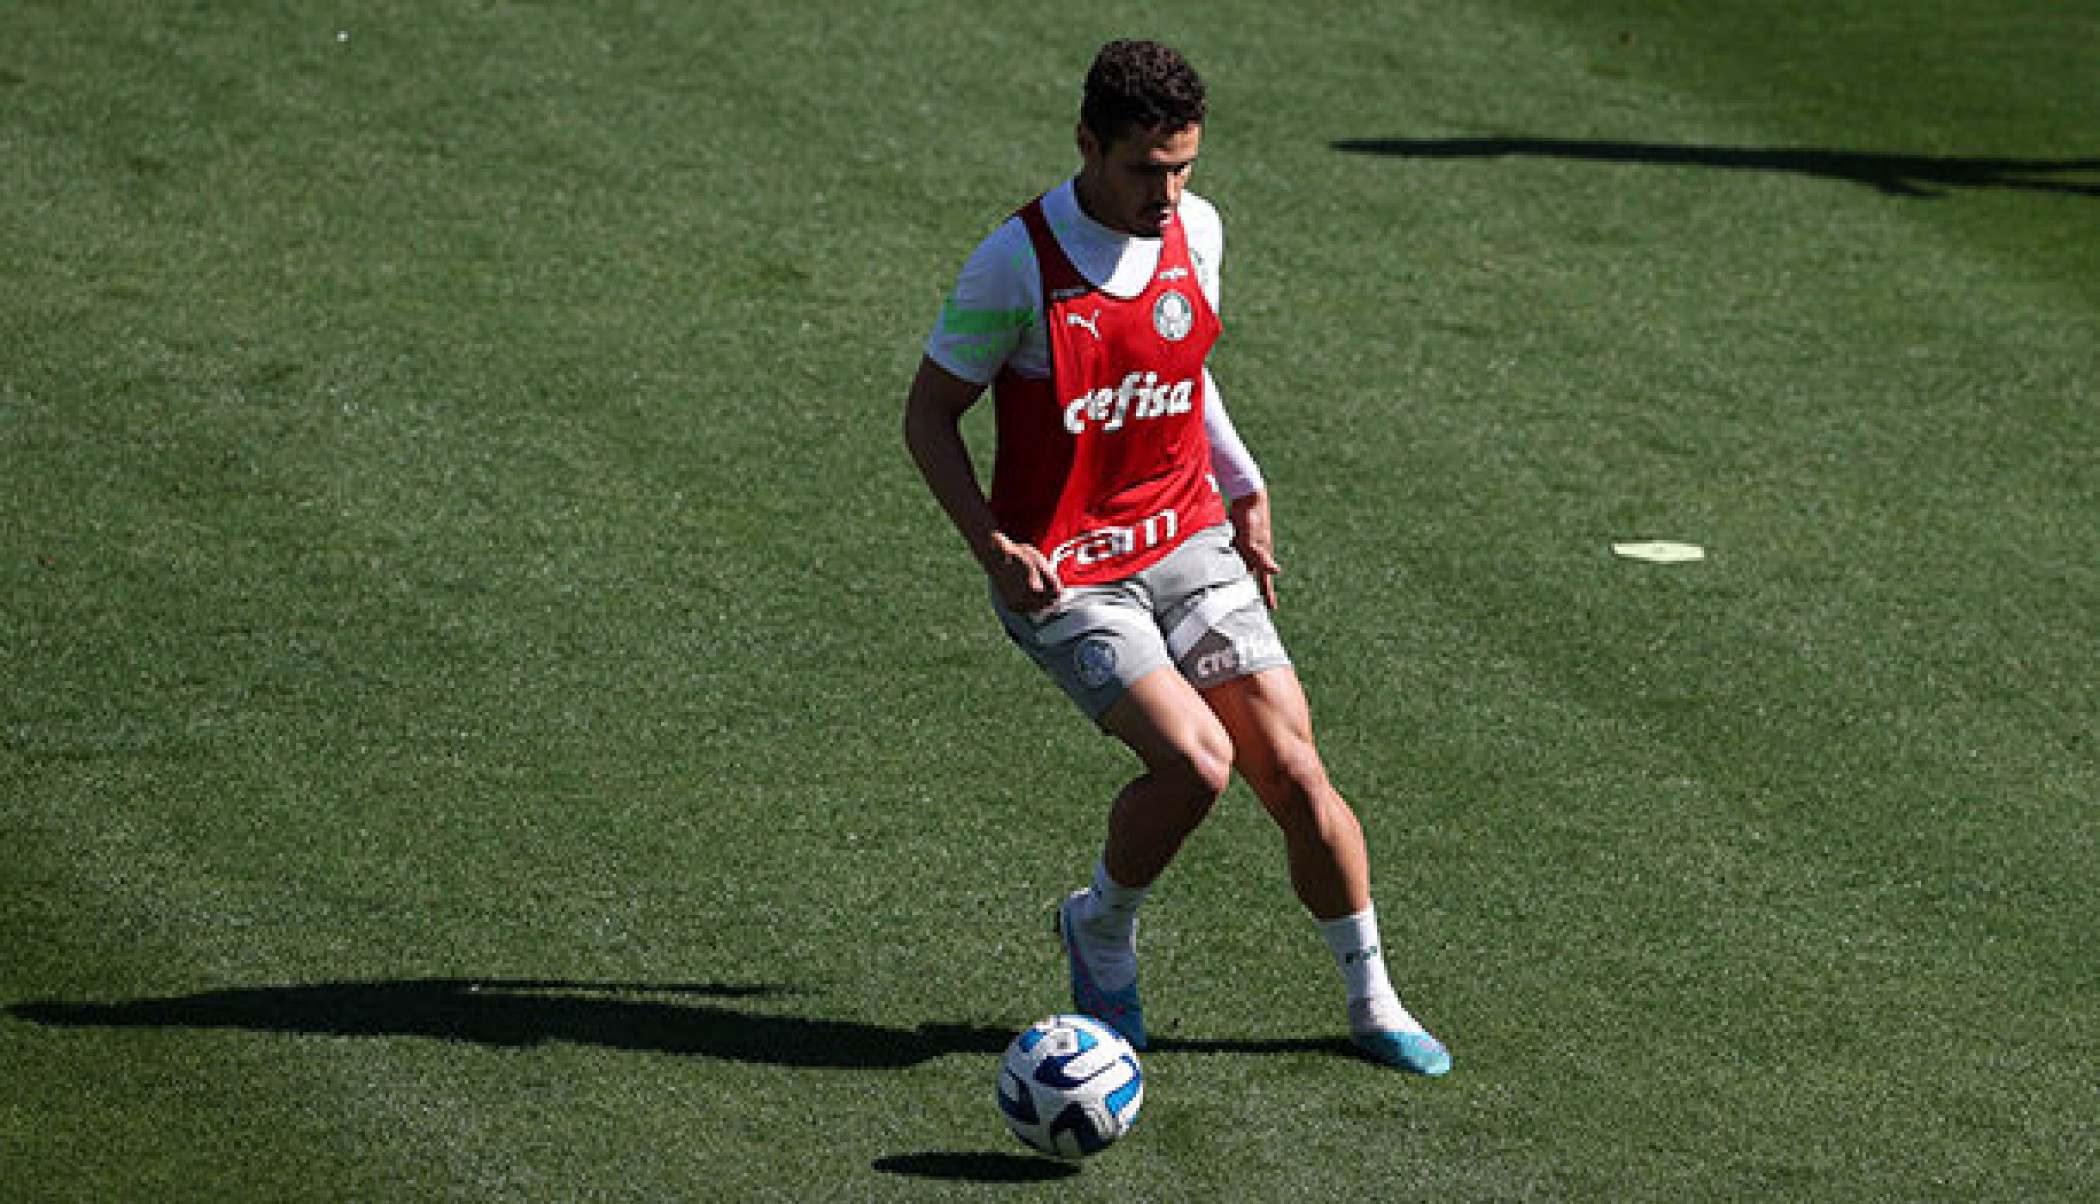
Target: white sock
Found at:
x=1110, y=908
x=1354, y=942
x=1107, y=928
x=1382, y=1015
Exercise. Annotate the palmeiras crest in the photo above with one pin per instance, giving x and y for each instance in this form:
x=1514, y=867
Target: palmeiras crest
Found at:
x=1096, y=662
x=1172, y=316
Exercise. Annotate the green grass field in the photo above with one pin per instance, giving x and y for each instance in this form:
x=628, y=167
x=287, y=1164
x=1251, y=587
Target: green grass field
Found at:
x=489, y=711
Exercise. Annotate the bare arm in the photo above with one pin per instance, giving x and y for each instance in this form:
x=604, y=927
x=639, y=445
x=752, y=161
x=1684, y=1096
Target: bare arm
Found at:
x=933, y=412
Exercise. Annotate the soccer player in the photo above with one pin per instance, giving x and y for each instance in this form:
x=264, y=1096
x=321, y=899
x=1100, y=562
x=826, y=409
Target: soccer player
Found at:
x=1113, y=560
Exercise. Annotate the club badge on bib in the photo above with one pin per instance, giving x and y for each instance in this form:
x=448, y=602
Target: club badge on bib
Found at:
x=1172, y=316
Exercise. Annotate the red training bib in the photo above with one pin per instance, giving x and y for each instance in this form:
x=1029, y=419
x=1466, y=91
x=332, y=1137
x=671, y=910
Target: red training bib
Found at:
x=1105, y=465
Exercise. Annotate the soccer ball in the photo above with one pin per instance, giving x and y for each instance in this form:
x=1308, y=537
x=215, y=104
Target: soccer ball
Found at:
x=1069, y=1086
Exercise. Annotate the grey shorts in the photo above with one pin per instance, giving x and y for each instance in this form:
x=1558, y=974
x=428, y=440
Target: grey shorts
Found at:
x=1197, y=610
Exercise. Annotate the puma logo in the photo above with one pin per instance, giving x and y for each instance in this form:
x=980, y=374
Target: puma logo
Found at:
x=1088, y=323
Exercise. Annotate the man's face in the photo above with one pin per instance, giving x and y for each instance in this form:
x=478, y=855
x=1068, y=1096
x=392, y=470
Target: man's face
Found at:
x=1134, y=183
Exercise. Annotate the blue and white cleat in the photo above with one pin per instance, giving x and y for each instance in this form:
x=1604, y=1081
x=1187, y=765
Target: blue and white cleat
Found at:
x=1390, y=1037
x=1118, y=1009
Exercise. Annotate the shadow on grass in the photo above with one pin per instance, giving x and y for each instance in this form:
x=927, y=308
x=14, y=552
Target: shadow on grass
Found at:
x=670, y=1018
x=976, y=1167
x=659, y=1018
x=1916, y=176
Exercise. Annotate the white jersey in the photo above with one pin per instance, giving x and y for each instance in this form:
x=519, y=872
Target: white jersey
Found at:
x=995, y=315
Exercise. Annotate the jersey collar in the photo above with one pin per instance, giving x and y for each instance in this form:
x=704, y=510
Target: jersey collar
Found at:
x=1118, y=264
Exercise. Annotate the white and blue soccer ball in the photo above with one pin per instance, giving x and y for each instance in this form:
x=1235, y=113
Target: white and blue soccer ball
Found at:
x=1069, y=1086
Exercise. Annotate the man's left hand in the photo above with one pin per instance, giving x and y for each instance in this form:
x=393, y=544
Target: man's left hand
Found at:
x=1256, y=544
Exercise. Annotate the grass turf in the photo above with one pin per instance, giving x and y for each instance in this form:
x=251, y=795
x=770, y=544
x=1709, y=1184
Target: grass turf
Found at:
x=490, y=712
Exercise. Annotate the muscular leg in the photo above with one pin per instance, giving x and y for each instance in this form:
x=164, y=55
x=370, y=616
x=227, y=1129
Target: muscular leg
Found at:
x=1270, y=728
x=1188, y=763
x=1187, y=755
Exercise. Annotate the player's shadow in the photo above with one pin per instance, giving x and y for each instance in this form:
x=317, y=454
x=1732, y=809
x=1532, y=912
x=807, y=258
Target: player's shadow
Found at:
x=1916, y=176
x=675, y=1018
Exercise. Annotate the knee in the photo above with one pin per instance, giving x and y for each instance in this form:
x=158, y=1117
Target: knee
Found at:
x=1292, y=780
x=1200, y=769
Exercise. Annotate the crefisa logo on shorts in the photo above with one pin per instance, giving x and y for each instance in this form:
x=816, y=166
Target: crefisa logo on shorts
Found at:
x=1238, y=653
x=1095, y=662
x=1172, y=316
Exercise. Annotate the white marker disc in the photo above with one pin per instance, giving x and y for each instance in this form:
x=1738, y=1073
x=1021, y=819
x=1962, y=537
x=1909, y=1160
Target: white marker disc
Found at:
x=1660, y=552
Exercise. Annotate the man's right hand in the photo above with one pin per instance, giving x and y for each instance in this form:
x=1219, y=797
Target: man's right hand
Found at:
x=1023, y=577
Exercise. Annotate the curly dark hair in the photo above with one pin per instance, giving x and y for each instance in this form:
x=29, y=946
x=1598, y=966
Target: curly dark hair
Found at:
x=1145, y=85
